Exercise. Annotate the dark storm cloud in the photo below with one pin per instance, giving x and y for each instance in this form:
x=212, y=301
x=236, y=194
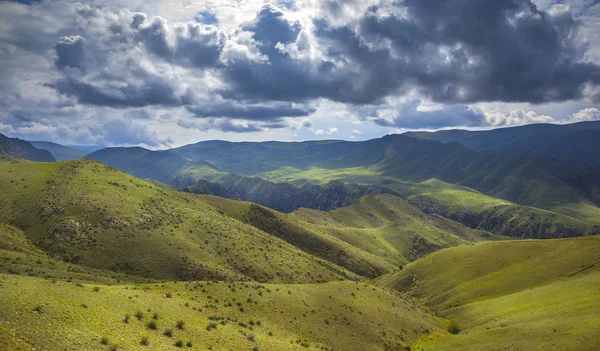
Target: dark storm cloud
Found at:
x=463, y=51
x=249, y=111
x=410, y=116
x=70, y=52
x=190, y=44
x=143, y=88
x=457, y=51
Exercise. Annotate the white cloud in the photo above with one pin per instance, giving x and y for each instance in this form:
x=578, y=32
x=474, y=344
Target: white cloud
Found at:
x=332, y=131
x=588, y=114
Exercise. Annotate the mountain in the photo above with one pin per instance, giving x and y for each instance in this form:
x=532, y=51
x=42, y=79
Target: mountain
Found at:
x=14, y=148
x=571, y=143
x=164, y=166
x=518, y=295
x=60, y=152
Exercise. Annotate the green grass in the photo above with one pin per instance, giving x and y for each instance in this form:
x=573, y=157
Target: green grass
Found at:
x=334, y=316
x=527, y=295
x=91, y=214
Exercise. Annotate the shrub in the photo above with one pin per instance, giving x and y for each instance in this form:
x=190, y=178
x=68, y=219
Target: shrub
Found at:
x=37, y=309
x=189, y=344
x=168, y=333
x=178, y=343
x=104, y=340
x=144, y=341
x=155, y=316
x=453, y=327
x=151, y=325
x=139, y=315
x=180, y=325
x=96, y=289
x=126, y=319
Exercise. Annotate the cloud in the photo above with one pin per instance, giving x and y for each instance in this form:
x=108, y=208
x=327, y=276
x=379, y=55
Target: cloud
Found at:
x=410, y=116
x=516, y=117
x=462, y=51
x=249, y=111
x=70, y=52
x=588, y=114
x=248, y=67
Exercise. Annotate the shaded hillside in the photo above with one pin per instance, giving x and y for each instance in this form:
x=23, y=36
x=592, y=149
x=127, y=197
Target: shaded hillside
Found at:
x=520, y=295
x=13, y=148
x=571, y=143
x=60, y=152
x=164, y=166
x=384, y=231
x=284, y=196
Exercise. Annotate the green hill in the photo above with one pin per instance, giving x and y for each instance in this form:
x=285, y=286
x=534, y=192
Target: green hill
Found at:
x=13, y=148
x=60, y=152
x=78, y=308
x=520, y=295
x=572, y=143
x=89, y=213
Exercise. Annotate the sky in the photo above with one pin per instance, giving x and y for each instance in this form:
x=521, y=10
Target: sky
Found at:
x=162, y=74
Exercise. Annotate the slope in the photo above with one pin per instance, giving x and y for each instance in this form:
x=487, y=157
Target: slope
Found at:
x=520, y=295
x=60, y=152
x=78, y=308
x=89, y=213
x=13, y=148
x=285, y=197
x=382, y=230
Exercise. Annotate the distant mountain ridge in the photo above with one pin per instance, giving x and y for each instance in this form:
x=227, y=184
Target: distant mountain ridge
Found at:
x=17, y=148
x=575, y=143
x=531, y=180
x=60, y=152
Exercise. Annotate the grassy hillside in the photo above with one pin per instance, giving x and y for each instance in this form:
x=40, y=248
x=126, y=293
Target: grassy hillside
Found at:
x=78, y=308
x=82, y=247
x=60, y=152
x=388, y=226
x=206, y=316
x=521, y=295
x=89, y=213
x=13, y=148
x=477, y=210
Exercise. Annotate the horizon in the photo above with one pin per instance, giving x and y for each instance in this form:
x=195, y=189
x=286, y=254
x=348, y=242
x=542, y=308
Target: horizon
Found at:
x=483, y=129
x=164, y=75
